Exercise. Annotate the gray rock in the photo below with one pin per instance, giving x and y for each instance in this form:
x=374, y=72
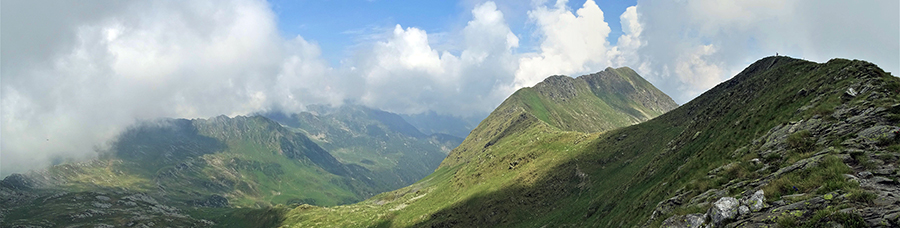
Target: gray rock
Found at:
x=102, y=198
x=865, y=174
x=707, y=196
x=102, y=205
x=743, y=210
x=723, y=210
x=685, y=221
x=883, y=180
x=884, y=201
x=779, y=203
x=885, y=170
x=893, y=218
x=877, y=134
x=757, y=201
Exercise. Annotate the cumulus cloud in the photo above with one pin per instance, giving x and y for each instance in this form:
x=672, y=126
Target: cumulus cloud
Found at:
x=571, y=43
x=406, y=74
x=689, y=46
x=144, y=60
x=75, y=74
x=73, y=84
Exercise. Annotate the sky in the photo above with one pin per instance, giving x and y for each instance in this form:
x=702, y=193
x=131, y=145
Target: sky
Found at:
x=75, y=74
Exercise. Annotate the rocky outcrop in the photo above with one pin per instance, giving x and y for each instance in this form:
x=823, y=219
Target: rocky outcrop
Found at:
x=685, y=221
x=723, y=210
x=857, y=135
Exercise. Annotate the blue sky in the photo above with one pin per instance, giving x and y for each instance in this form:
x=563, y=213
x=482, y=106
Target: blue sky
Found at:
x=339, y=26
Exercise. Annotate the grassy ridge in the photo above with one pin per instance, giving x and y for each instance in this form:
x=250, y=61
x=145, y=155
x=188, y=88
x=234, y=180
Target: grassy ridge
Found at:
x=592, y=103
x=516, y=170
x=511, y=149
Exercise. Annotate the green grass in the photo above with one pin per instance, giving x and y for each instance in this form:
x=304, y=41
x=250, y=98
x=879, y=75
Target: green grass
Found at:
x=827, y=176
x=519, y=170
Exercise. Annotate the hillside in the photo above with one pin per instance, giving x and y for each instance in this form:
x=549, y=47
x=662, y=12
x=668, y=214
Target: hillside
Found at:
x=597, y=102
x=510, y=146
x=818, y=139
x=396, y=152
x=188, y=167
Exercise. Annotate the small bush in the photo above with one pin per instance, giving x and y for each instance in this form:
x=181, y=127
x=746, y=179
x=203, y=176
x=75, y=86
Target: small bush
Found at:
x=894, y=148
x=801, y=141
x=861, y=196
x=786, y=220
x=826, y=177
x=822, y=217
x=862, y=159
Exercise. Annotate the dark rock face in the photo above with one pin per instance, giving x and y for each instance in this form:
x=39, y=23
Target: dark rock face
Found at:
x=558, y=87
x=17, y=182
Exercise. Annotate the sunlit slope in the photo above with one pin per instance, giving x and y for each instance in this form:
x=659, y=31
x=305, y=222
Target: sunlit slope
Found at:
x=527, y=173
x=511, y=148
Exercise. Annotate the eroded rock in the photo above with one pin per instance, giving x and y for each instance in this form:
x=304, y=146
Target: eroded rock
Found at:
x=685, y=221
x=723, y=210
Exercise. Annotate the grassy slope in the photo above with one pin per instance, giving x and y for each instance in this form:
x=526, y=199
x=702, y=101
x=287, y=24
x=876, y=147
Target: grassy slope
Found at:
x=250, y=160
x=610, y=179
x=511, y=149
x=593, y=103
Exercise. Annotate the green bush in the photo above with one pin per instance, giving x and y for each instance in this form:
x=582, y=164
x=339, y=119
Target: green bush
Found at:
x=827, y=176
x=801, y=141
x=861, y=196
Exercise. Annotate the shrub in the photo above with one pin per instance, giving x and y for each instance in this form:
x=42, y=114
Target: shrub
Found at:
x=827, y=176
x=861, y=196
x=801, y=141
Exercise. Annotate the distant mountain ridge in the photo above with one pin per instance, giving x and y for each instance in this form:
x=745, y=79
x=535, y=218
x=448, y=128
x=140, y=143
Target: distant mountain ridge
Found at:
x=206, y=168
x=395, y=151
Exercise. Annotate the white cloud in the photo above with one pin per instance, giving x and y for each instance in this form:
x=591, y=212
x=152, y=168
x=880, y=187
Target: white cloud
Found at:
x=571, y=43
x=689, y=46
x=625, y=51
x=406, y=74
x=144, y=61
x=74, y=75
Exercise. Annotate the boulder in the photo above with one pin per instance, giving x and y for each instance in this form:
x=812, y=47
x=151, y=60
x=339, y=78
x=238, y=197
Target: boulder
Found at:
x=865, y=174
x=723, y=210
x=743, y=210
x=685, y=221
x=757, y=201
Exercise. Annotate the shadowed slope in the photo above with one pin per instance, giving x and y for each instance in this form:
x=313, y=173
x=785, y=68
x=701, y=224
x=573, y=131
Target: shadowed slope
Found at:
x=526, y=173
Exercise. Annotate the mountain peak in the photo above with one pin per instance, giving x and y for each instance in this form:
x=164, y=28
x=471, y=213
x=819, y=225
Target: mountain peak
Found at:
x=597, y=102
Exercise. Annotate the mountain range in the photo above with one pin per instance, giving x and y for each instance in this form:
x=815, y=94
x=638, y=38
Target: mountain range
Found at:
x=784, y=143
